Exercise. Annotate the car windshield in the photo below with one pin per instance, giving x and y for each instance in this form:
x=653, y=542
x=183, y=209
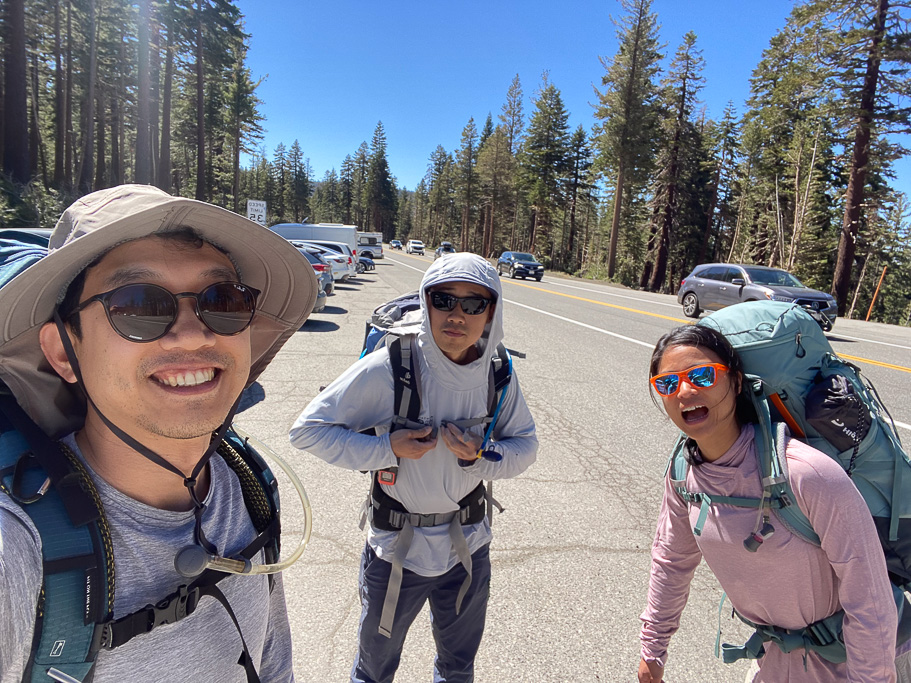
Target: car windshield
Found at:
x=523, y=257
x=780, y=278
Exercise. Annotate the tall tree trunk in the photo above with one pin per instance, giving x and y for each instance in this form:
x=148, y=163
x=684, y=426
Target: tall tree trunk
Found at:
x=201, y=193
x=854, y=196
x=100, y=145
x=154, y=93
x=69, y=135
x=37, y=155
x=615, y=221
x=710, y=219
x=668, y=215
x=86, y=168
x=164, y=155
x=119, y=90
x=59, y=99
x=143, y=147
x=15, y=115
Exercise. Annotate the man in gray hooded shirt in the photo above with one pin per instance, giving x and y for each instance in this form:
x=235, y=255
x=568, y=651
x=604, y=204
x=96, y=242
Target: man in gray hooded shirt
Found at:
x=436, y=555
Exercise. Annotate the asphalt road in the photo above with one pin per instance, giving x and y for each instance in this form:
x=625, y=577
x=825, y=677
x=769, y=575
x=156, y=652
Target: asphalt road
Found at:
x=571, y=552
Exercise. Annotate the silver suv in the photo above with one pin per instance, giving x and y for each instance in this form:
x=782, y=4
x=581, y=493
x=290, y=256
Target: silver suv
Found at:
x=715, y=285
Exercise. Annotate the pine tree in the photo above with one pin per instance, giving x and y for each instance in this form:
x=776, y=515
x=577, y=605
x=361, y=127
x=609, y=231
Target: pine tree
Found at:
x=544, y=163
x=628, y=108
x=865, y=44
x=683, y=83
x=381, y=193
x=466, y=158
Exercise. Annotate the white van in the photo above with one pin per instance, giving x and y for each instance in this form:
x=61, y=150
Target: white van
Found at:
x=334, y=232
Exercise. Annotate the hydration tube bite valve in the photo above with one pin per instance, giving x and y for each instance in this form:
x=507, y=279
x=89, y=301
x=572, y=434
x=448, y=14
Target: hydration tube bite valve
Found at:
x=193, y=560
x=754, y=540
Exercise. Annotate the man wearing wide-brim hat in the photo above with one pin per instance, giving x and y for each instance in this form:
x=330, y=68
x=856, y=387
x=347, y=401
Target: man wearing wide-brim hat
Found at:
x=130, y=341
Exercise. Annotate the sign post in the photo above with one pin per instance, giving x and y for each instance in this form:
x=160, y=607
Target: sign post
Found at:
x=256, y=211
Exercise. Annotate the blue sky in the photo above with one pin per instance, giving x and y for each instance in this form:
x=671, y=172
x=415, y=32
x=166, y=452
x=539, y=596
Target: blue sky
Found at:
x=334, y=69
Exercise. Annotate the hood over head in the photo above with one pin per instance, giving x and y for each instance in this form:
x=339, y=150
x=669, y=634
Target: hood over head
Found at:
x=466, y=267
x=100, y=221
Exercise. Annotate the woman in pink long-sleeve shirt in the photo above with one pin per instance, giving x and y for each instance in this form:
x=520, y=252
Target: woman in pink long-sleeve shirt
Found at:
x=788, y=582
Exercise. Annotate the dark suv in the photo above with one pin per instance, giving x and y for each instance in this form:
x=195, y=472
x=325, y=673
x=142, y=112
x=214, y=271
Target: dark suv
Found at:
x=715, y=285
x=519, y=264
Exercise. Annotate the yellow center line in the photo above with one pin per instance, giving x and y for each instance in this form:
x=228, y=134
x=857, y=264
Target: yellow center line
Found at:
x=688, y=322
x=876, y=362
x=603, y=303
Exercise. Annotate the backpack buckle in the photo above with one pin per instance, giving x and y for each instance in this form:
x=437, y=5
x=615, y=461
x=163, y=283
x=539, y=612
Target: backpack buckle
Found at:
x=18, y=473
x=174, y=607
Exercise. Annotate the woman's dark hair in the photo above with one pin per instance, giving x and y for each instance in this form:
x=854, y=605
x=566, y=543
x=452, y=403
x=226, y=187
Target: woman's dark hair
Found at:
x=711, y=340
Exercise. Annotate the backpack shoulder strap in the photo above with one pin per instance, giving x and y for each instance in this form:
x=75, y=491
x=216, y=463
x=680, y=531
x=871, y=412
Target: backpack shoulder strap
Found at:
x=406, y=381
x=259, y=488
x=57, y=493
x=771, y=449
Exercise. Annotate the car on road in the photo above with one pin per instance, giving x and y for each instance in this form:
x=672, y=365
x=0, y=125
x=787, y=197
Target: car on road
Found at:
x=320, y=303
x=396, y=244
x=713, y=286
x=443, y=249
x=519, y=264
x=414, y=247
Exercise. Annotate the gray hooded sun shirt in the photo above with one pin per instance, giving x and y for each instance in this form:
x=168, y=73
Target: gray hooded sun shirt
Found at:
x=363, y=398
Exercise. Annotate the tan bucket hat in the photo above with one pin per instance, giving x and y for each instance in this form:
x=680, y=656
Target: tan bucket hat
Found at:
x=98, y=222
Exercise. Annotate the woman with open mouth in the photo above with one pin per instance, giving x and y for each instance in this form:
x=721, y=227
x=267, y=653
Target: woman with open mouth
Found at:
x=835, y=598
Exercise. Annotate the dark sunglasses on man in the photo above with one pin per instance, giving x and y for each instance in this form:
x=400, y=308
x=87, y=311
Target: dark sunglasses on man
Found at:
x=471, y=305
x=144, y=312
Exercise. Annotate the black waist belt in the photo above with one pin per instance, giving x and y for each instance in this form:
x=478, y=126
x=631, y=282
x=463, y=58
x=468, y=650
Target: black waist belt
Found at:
x=388, y=514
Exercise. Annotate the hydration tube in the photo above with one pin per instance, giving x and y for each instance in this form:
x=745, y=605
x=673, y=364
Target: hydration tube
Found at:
x=194, y=560
x=491, y=455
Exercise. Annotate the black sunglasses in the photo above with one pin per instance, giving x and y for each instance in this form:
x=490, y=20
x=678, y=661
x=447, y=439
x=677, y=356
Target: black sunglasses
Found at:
x=144, y=312
x=471, y=305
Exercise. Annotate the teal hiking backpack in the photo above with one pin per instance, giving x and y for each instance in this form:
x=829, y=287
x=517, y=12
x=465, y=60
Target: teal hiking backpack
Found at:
x=797, y=383
x=74, y=618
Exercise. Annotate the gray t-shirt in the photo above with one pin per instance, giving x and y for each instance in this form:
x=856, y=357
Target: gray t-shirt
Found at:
x=202, y=647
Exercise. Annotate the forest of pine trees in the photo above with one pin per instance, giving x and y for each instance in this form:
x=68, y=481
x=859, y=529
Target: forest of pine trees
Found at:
x=100, y=92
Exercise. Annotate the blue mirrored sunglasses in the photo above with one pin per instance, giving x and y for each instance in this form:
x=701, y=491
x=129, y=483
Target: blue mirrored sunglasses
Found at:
x=700, y=376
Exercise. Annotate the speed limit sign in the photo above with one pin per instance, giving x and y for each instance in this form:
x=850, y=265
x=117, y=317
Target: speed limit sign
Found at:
x=256, y=211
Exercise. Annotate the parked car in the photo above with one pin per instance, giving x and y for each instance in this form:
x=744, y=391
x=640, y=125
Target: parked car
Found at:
x=341, y=248
x=396, y=244
x=337, y=261
x=320, y=303
x=519, y=264
x=414, y=247
x=364, y=264
x=443, y=249
x=321, y=267
x=712, y=286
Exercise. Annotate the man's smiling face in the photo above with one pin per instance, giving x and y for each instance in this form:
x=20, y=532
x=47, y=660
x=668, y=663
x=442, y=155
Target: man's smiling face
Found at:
x=182, y=385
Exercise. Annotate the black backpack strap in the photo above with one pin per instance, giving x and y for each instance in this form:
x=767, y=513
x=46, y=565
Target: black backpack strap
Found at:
x=405, y=380
x=407, y=395
x=500, y=375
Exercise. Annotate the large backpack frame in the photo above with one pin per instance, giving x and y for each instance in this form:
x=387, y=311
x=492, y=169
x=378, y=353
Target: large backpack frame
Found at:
x=784, y=354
